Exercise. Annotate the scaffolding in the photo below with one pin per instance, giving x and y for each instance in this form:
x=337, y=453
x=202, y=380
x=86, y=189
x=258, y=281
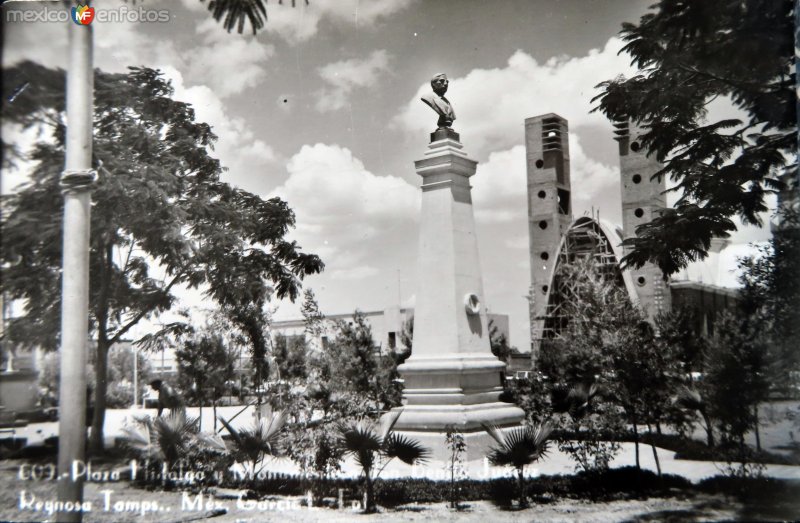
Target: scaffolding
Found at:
x=584, y=240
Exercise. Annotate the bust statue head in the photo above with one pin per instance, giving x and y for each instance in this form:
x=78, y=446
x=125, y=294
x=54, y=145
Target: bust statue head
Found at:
x=440, y=104
x=439, y=84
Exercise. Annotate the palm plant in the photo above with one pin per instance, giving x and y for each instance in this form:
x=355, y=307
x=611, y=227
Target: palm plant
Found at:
x=517, y=448
x=165, y=440
x=252, y=446
x=376, y=448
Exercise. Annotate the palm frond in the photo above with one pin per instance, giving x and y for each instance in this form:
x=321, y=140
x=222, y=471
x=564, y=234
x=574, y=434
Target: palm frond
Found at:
x=260, y=440
x=357, y=437
x=272, y=425
x=494, y=432
x=139, y=438
x=213, y=441
x=173, y=434
x=235, y=13
x=388, y=422
x=405, y=449
x=232, y=431
x=519, y=446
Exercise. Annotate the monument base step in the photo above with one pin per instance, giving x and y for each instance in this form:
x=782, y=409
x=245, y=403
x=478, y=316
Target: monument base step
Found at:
x=464, y=418
x=478, y=443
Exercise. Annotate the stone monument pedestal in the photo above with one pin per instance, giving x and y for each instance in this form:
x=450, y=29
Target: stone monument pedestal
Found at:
x=451, y=379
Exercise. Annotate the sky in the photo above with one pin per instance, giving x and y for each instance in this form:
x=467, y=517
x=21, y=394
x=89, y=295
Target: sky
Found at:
x=322, y=109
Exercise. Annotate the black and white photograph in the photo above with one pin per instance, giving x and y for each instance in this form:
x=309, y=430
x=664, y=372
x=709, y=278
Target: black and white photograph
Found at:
x=399, y=260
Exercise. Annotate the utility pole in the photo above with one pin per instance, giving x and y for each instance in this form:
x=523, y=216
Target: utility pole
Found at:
x=76, y=184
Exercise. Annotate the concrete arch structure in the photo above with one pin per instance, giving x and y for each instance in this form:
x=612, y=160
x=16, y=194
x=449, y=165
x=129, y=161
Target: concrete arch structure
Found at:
x=584, y=237
x=554, y=236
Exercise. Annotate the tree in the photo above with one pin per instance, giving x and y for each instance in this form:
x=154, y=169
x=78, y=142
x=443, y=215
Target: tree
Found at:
x=769, y=297
x=316, y=410
x=579, y=364
x=361, y=369
x=734, y=379
x=373, y=449
x=455, y=444
x=290, y=357
x=725, y=168
x=313, y=321
x=406, y=341
x=678, y=331
x=646, y=375
x=120, y=375
x=691, y=399
x=499, y=343
x=519, y=448
x=162, y=219
x=205, y=366
x=678, y=337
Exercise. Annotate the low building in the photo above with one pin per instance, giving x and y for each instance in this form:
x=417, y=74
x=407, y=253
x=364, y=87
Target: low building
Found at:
x=387, y=327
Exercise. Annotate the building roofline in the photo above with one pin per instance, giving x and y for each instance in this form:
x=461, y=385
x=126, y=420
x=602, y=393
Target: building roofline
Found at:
x=688, y=284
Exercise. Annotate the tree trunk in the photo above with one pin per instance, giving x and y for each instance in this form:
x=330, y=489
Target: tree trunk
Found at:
x=521, y=478
x=214, y=406
x=636, y=445
x=100, y=386
x=709, y=429
x=655, y=453
x=758, y=433
x=370, y=504
x=453, y=503
x=105, y=260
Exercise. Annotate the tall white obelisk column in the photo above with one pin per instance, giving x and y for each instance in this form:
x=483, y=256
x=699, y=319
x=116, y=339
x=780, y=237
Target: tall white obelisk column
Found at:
x=451, y=378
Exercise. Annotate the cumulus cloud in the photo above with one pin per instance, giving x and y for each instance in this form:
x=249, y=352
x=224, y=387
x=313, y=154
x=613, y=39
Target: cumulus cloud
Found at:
x=344, y=212
x=229, y=63
x=302, y=23
x=346, y=75
x=491, y=103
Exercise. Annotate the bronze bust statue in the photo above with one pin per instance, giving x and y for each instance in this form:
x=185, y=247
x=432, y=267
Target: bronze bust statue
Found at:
x=439, y=103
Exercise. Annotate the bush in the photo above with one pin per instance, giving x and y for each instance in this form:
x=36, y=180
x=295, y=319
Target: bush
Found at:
x=625, y=483
x=751, y=488
x=622, y=483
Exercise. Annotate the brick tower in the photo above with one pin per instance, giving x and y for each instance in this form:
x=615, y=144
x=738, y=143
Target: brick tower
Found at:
x=643, y=199
x=549, y=208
